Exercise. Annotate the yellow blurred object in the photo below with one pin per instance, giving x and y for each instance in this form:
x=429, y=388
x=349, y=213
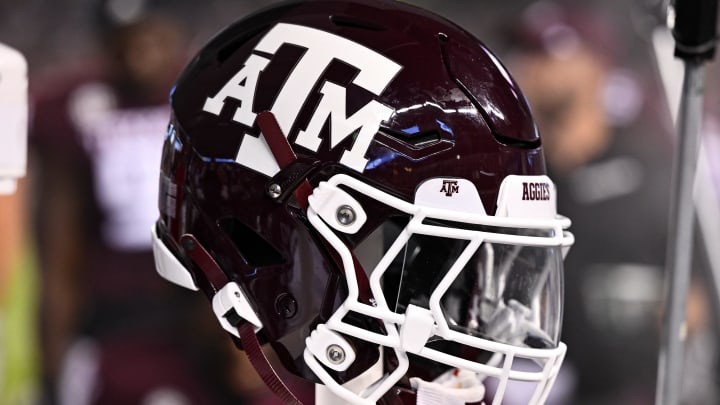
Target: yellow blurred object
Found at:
x=18, y=343
x=18, y=305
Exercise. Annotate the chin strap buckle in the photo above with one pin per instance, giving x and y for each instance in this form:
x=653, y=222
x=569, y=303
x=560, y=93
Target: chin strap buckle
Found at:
x=236, y=316
x=231, y=307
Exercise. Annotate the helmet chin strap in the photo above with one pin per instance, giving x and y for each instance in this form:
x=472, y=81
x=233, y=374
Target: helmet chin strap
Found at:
x=456, y=387
x=217, y=279
x=283, y=153
x=262, y=366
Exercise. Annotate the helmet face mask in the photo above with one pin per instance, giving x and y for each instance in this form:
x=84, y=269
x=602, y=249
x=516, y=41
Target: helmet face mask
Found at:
x=463, y=282
x=405, y=237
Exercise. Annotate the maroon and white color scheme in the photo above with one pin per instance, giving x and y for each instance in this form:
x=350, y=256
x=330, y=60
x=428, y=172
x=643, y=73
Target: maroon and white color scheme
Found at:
x=322, y=48
x=393, y=236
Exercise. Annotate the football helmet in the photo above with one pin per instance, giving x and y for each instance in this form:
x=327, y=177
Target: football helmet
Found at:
x=361, y=185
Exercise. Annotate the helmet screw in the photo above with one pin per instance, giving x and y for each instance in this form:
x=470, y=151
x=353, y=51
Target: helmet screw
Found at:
x=188, y=244
x=335, y=354
x=274, y=191
x=286, y=305
x=345, y=215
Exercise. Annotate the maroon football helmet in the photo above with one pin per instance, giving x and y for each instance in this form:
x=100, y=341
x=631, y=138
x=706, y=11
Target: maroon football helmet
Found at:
x=361, y=185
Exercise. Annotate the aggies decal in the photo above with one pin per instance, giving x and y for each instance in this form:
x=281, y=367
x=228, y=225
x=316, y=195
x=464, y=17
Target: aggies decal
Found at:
x=536, y=191
x=375, y=72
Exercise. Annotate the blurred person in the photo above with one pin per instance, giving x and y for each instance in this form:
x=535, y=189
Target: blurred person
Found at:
x=111, y=331
x=608, y=150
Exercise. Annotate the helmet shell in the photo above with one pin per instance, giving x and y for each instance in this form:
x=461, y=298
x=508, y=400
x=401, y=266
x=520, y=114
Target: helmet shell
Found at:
x=454, y=111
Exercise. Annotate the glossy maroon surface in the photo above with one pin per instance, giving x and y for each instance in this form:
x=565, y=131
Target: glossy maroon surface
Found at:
x=457, y=113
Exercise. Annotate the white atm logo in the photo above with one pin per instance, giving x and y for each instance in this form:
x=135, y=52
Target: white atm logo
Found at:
x=375, y=72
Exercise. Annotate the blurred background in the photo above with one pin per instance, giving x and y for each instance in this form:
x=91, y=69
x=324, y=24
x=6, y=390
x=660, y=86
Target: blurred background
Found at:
x=85, y=320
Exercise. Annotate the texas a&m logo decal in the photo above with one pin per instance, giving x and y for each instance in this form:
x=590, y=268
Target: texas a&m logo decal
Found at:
x=450, y=187
x=375, y=72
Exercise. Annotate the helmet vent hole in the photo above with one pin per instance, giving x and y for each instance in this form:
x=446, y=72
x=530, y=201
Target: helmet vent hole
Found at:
x=413, y=137
x=251, y=246
x=351, y=22
x=506, y=140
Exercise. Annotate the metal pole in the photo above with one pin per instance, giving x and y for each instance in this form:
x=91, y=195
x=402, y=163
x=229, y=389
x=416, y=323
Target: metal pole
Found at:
x=680, y=237
x=695, y=32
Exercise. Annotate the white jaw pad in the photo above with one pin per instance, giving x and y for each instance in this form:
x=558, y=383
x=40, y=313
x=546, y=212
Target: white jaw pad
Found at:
x=450, y=193
x=168, y=266
x=527, y=197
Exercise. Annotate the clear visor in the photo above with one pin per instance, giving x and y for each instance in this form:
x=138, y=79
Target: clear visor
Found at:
x=507, y=293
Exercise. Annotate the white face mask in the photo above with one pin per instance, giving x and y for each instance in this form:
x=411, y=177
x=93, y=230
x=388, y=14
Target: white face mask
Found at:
x=464, y=282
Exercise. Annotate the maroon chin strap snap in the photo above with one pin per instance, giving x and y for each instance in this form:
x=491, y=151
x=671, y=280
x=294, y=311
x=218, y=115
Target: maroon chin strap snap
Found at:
x=283, y=153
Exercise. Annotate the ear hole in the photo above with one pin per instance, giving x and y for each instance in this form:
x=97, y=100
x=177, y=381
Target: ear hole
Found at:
x=252, y=247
